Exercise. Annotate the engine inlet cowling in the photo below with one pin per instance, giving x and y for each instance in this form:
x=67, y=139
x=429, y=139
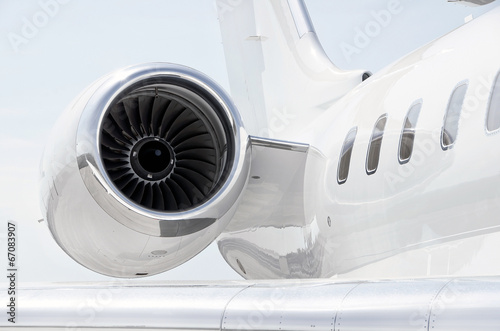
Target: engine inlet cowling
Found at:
x=167, y=148
x=144, y=170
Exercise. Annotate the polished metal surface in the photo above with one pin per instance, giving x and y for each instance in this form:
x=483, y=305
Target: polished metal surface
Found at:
x=278, y=144
x=191, y=84
x=93, y=221
x=431, y=304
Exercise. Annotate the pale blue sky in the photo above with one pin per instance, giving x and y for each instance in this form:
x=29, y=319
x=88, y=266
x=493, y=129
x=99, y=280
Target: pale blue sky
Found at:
x=43, y=69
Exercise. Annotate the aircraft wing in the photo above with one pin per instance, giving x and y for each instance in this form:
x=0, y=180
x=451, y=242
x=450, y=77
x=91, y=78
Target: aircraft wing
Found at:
x=431, y=304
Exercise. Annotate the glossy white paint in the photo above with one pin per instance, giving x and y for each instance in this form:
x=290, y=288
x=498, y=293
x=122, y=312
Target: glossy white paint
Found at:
x=276, y=70
x=435, y=215
x=281, y=210
x=295, y=219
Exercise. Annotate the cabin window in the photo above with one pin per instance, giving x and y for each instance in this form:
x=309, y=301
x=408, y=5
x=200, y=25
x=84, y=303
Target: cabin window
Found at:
x=493, y=120
x=345, y=156
x=408, y=134
x=373, y=155
x=450, y=127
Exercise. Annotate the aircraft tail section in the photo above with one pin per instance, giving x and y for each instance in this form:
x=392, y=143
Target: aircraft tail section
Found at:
x=279, y=74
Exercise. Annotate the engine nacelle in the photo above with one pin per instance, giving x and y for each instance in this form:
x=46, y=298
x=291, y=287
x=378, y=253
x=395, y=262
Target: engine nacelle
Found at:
x=144, y=170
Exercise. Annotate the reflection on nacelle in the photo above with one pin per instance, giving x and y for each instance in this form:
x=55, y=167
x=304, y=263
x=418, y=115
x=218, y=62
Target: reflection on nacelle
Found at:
x=144, y=170
x=372, y=177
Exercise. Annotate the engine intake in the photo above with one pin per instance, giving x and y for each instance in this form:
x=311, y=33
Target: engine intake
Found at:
x=155, y=175
x=165, y=147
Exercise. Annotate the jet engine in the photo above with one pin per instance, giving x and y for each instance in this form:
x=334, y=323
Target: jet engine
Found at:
x=144, y=170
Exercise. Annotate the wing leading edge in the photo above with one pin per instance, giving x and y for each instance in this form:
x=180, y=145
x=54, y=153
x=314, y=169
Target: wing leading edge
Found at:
x=431, y=304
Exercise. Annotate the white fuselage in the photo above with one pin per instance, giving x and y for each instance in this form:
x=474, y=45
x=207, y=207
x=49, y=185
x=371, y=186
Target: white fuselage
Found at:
x=434, y=214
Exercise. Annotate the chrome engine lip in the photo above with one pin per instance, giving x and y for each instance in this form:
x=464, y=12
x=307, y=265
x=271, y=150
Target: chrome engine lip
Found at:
x=114, y=202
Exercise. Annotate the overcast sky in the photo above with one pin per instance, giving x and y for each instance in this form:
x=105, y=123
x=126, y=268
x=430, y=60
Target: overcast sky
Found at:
x=44, y=67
